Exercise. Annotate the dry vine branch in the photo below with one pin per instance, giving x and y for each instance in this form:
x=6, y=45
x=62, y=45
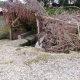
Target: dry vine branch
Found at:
x=36, y=6
x=19, y=10
x=57, y=38
x=72, y=7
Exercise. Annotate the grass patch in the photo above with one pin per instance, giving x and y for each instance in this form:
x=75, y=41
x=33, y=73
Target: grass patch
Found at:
x=69, y=51
x=1, y=2
x=54, y=11
x=59, y=11
x=50, y=11
x=9, y=62
x=69, y=10
x=43, y=57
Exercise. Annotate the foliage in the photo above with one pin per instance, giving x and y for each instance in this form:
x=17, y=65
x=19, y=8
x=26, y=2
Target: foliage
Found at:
x=23, y=29
x=10, y=0
x=18, y=10
x=38, y=0
x=50, y=11
x=66, y=3
x=9, y=62
x=36, y=6
x=33, y=26
x=69, y=51
x=4, y=35
x=1, y=2
x=54, y=11
x=61, y=2
x=43, y=57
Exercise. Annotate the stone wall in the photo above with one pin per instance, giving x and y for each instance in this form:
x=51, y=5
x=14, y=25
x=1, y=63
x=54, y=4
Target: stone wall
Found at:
x=2, y=22
x=4, y=29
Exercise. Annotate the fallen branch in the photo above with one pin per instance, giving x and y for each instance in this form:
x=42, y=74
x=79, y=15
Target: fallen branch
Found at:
x=45, y=17
x=72, y=7
x=15, y=21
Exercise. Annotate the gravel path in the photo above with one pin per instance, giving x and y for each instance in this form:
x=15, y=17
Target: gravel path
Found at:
x=27, y=63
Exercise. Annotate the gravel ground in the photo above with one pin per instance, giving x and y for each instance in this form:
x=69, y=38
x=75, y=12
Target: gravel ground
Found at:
x=28, y=63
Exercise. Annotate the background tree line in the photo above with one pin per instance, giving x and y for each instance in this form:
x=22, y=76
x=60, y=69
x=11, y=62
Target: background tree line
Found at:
x=60, y=2
x=63, y=2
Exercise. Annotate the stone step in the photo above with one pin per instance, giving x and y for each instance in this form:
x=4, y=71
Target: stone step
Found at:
x=31, y=38
x=22, y=36
x=20, y=42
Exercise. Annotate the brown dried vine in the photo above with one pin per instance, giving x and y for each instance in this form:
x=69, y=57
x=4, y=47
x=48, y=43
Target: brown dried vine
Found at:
x=58, y=36
x=15, y=10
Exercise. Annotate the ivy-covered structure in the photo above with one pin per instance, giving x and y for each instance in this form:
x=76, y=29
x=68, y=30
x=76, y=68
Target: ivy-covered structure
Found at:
x=18, y=15
x=57, y=35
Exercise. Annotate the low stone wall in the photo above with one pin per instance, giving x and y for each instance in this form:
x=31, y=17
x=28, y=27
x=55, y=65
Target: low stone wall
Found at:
x=4, y=29
x=2, y=22
x=4, y=32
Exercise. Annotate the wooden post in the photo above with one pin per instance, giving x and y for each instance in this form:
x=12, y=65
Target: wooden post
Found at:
x=38, y=28
x=79, y=31
x=11, y=24
x=10, y=30
x=37, y=20
x=11, y=33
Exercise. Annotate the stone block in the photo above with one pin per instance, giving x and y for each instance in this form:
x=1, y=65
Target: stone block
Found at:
x=20, y=42
x=31, y=38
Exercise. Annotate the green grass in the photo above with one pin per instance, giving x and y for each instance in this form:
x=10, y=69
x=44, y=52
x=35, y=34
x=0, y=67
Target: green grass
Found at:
x=59, y=11
x=69, y=51
x=50, y=11
x=69, y=10
x=1, y=2
x=53, y=11
x=43, y=57
x=9, y=62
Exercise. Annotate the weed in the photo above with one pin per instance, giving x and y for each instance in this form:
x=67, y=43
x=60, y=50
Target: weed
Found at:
x=50, y=11
x=9, y=62
x=69, y=51
x=43, y=57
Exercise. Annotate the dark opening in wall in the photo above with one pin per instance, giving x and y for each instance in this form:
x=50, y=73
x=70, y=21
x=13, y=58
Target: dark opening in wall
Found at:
x=1, y=13
x=26, y=31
